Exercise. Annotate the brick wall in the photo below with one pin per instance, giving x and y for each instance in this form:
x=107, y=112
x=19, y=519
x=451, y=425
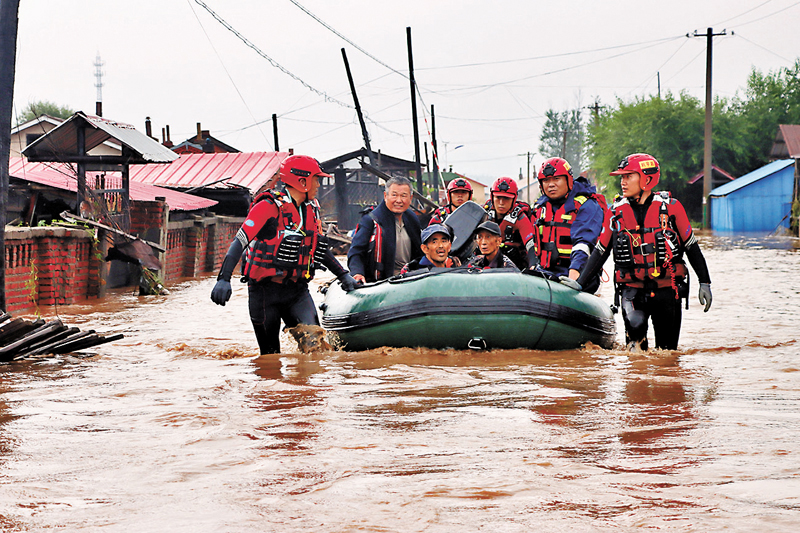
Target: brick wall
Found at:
x=51, y=265
x=68, y=269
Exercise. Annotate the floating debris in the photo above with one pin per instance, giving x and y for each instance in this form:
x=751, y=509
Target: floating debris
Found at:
x=21, y=338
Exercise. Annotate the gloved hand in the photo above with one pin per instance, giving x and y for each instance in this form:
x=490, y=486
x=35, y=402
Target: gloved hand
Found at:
x=705, y=296
x=348, y=282
x=569, y=282
x=222, y=292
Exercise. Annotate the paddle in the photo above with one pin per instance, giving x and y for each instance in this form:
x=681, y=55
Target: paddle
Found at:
x=463, y=222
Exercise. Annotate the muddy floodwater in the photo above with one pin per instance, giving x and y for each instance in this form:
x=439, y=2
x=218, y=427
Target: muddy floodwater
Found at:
x=181, y=427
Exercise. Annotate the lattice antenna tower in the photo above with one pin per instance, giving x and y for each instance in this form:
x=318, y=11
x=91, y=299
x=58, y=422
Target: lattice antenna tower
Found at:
x=98, y=74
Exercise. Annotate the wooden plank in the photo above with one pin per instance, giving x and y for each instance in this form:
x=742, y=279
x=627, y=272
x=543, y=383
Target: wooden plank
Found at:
x=65, y=346
x=66, y=215
x=17, y=329
x=43, y=346
x=42, y=332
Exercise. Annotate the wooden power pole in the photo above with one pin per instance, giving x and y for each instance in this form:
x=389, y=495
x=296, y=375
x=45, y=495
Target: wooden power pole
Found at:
x=420, y=189
x=707, y=163
x=9, y=16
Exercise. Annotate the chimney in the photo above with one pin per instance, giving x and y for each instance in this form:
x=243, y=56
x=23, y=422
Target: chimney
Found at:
x=168, y=142
x=199, y=136
x=148, y=127
x=163, y=135
x=98, y=109
x=291, y=151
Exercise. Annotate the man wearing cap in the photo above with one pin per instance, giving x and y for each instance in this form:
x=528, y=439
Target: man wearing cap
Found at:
x=387, y=237
x=284, y=245
x=488, y=238
x=436, y=243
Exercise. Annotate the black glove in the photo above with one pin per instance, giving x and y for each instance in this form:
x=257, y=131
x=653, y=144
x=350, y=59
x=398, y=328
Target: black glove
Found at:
x=569, y=282
x=705, y=296
x=347, y=281
x=222, y=292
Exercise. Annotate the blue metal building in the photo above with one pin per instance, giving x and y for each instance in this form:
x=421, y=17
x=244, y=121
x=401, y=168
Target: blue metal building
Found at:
x=757, y=202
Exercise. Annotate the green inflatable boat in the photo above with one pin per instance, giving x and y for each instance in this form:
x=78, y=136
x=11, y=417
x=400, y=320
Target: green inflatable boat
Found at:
x=467, y=308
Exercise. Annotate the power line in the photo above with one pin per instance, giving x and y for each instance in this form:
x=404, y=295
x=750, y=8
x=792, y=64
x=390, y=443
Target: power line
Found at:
x=274, y=63
x=226, y=72
x=770, y=15
x=741, y=14
x=763, y=48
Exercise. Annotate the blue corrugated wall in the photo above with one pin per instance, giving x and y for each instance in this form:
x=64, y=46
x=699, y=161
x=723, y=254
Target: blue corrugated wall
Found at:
x=757, y=207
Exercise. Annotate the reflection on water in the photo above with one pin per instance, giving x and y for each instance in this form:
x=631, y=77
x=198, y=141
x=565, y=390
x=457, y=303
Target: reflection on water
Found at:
x=183, y=427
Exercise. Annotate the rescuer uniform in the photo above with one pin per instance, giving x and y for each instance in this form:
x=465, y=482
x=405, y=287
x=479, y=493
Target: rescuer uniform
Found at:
x=284, y=247
x=567, y=228
x=649, y=239
x=441, y=214
x=515, y=226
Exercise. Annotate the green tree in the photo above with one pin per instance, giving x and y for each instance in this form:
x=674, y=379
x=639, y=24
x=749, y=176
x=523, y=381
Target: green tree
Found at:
x=44, y=107
x=669, y=128
x=563, y=136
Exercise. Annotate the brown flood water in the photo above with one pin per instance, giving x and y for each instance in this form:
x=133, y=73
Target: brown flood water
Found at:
x=180, y=427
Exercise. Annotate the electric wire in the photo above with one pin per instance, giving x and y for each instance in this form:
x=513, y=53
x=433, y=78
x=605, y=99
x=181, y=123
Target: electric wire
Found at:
x=219, y=57
x=738, y=34
x=770, y=15
x=741, y=14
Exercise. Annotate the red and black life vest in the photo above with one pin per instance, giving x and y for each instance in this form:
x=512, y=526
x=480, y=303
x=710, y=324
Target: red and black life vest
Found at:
x=653, y=252
x=441, y=214
x=554, y=230
x=508, y=225
x=289, y=254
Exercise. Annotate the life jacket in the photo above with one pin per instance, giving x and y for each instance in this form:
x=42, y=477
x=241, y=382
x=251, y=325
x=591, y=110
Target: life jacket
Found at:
x=554, y=229
x=289, y=254
x=509, y=222
x=652, y=253
x=440, y=215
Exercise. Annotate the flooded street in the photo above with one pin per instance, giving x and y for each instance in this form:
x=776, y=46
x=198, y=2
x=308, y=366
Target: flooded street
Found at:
x=180, y=427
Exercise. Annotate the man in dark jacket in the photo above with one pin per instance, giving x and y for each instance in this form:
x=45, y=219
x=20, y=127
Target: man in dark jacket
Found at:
x=386, y=238
x=488, y=238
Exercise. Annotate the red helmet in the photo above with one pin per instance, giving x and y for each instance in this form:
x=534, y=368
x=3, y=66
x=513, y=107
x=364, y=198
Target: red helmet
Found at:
x=645, y=165
x=556, y=166
x=459, y=184
x=504, y=187
x=296, y=167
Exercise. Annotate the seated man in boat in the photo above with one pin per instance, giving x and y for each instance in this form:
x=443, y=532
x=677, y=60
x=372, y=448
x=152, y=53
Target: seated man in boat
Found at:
x=513, y=217
x=436, y=243
x=568, y=218
x=488, y=238
x=459, y=191
x=387, y=237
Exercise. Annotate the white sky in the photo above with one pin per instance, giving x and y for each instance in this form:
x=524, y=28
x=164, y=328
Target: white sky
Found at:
x=170, y=60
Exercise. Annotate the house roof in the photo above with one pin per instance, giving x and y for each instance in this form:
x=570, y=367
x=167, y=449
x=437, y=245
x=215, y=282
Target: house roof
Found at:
x=787, y=142
x=245, y=169
x=752, y=177
x=386, y=160
x=62, y=176
x=61, y=143
x=714, y=169
x=54, y=121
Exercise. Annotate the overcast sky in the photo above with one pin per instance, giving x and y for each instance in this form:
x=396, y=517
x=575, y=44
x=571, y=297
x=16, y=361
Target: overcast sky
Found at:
x=491, y=69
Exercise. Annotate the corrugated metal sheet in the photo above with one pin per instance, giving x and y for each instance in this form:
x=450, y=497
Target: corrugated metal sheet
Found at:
x=62, y=140
x=251, y=170
x=63, y=177
x=757, y=202
x=787, y=142
x=752, y=177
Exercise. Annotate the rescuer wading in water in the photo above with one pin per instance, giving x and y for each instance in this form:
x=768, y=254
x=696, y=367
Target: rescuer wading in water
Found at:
x=284, y=246
x=650, y=233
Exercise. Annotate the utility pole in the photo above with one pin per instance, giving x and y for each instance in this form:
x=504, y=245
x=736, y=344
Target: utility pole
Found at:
x=98, y=74
x=435, y=157
x=9, y=17
x=414, y=110
x=707, y=169
x=275, y=131
x=564, y=145
x=658, y=77
x=364, y=132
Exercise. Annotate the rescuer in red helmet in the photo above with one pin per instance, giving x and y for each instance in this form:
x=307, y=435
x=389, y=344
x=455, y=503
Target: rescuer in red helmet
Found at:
x=568, y=219
x=513, y=217
x=459, y=191
x=649, y=233
x=284, y=247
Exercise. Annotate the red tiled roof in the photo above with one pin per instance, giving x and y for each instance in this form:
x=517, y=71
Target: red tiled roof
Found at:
x=251, y=170
x=62, y=176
